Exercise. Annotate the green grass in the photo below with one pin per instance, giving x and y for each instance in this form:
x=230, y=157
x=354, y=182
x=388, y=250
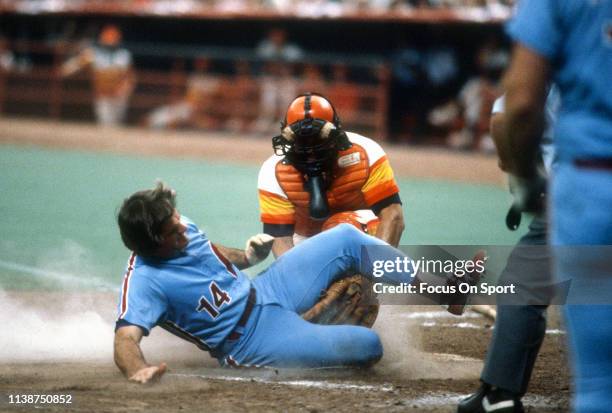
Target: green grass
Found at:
x=58, y=211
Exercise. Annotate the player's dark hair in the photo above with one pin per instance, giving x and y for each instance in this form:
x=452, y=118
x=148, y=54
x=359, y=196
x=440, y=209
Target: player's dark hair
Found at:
x=142, y=216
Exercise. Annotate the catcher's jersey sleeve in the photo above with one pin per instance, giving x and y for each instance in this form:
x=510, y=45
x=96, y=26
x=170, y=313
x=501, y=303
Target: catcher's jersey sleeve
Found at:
x=142, y=303
x=274, y=206
x=381, y=182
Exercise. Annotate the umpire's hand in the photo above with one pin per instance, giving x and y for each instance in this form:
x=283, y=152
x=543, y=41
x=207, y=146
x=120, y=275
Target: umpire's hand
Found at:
x=529, y=196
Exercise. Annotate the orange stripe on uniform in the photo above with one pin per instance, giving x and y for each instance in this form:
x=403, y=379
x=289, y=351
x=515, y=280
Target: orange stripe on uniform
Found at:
x=271, y=194
x=380, y=192
x=381, y=182
x=379, y=162
x=274, y=208
x=277, y=219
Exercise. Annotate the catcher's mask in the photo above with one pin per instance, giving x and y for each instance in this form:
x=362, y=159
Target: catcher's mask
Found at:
x=311, y=135
x=310, y=139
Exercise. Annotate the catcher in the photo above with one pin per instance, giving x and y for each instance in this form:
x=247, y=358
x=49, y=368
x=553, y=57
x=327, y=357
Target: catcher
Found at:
x=319, y=170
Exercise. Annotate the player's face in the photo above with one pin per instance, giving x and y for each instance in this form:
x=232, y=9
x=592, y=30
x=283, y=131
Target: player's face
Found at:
x=173, y=235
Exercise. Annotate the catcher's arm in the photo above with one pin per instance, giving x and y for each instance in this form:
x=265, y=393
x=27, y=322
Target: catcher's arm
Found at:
x=256, y=250
x=129, y=357
x=391, y=224
x=235, y=256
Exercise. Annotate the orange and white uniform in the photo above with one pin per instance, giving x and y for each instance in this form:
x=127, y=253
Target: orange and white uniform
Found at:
x=362, y=179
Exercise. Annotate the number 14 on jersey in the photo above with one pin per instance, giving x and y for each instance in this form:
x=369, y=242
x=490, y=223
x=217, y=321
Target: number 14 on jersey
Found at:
x=219, y=298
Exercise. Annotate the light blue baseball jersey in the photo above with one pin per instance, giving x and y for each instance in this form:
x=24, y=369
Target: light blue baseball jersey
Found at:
x=197, y=295
x=576, y=37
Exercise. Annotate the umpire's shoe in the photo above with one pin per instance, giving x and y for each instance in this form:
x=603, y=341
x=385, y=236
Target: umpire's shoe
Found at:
x=456, y=302
x=489, y=400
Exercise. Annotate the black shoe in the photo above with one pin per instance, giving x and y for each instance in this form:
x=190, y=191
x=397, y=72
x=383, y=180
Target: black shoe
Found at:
x=487, y=400
x=473, y=403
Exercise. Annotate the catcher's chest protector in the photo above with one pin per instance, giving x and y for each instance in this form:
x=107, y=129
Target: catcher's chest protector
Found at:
x=350, y=174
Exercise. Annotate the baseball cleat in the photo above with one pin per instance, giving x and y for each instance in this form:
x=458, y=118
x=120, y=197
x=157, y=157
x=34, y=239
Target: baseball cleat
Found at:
x=487, y=400
x=457, y=301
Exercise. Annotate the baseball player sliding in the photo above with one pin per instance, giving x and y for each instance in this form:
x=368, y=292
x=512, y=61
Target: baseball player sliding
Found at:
x=177, y=279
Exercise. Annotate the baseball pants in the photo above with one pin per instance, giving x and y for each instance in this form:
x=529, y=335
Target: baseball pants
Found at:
x=276, y=335
x=582, y=236
x=520, y=329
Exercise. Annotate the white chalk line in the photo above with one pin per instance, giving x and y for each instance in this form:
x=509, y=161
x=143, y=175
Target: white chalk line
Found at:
x=430, y=324
x=324, y=385
x=453, y=357
x=436, y=314
x=426, y=400
x=59, y=276
x=455, y=325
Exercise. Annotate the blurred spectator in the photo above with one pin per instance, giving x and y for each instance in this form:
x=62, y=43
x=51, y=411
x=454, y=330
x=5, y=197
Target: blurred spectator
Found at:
x=276, y=48
x=440, y=66
x=345, y=94
x=323, y=8
x=467, y=117
x=278, y=87
x=234, y=6
x=306, y=8
x=203, y=96
x=7, y=58
x=197, y=107
x=239, y=94
x=312, y=79
x=113, y=77
x=422, y=77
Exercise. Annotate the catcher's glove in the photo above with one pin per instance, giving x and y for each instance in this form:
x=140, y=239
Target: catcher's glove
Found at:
x=350, y=300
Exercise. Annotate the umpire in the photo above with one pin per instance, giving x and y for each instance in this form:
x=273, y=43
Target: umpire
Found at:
x=519, y=328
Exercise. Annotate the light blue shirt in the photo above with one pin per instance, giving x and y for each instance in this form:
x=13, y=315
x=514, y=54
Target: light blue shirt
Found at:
x=575, y=36
x=197, y=295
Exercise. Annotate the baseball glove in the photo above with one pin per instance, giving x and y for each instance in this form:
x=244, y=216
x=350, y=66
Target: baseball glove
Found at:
x=350, y=300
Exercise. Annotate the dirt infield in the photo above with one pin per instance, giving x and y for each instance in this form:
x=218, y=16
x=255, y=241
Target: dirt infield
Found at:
x=431, y=359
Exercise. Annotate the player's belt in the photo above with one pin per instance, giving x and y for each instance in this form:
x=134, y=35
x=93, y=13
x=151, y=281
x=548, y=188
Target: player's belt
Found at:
x=234, y=335
x=594, y=163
